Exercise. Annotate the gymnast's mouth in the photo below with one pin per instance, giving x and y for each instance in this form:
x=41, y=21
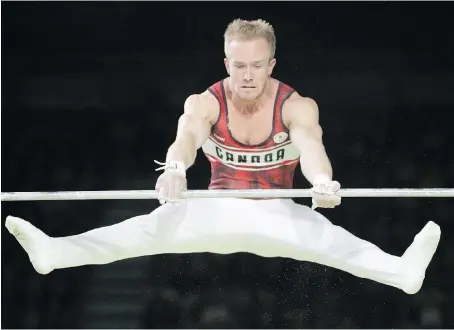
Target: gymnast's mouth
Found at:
x=248, y=87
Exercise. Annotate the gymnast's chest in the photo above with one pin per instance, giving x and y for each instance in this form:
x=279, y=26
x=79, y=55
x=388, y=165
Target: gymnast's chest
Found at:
x=250, y=130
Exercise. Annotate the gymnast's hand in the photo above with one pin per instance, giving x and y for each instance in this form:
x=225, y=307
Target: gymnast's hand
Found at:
x=171, y=183
x=324, y=194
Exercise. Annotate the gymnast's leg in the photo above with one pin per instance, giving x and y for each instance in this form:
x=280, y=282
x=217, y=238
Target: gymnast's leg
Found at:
x=142, y=235
x=298, y=232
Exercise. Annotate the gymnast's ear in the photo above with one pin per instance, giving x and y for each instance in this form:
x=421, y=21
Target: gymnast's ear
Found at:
x=271, y=66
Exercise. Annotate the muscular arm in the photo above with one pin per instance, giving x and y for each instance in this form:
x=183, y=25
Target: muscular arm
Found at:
x=194, y=125
x=306, y=134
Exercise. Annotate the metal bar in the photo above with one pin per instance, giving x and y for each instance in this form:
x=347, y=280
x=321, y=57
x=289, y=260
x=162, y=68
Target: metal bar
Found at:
x=253, y=193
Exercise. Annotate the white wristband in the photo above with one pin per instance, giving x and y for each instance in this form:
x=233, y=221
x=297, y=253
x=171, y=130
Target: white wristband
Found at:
x=321, y=179
x=177, y=166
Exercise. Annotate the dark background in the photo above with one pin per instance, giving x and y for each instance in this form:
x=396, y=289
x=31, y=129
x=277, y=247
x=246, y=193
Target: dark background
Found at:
x=91, y=94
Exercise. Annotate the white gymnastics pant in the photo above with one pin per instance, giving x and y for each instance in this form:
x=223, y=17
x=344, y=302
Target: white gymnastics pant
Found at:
x=268, y=228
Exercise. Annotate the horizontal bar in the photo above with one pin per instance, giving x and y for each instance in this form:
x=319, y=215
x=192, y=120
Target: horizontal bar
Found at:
x=253, y=193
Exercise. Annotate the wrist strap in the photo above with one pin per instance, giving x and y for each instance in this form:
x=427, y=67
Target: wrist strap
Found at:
x=321, y=179
x=179, y=167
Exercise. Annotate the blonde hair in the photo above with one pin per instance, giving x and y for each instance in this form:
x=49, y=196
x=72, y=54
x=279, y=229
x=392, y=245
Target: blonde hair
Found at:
x=248, y=30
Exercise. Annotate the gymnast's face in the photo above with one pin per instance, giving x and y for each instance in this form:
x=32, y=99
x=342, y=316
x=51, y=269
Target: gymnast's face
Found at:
x=249, y=64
